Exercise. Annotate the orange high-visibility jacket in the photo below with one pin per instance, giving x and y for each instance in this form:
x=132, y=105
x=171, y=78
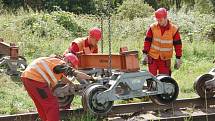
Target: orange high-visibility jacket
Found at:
x=81, y=44
x=41, y=70
x=162, y=45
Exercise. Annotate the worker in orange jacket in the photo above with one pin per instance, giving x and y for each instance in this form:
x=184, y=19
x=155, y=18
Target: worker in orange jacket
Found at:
x=91, y=41
x=41, y=76
x=160, y=39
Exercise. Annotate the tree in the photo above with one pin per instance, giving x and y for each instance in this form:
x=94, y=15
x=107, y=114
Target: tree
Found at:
x=152, y=3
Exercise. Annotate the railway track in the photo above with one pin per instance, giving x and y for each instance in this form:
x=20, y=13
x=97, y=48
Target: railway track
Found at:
x=138, y=110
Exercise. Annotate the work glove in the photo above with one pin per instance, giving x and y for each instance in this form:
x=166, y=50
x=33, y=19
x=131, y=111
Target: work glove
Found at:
x=94, y=79
x=69, y=71
x=178, y=63
x=145, y=59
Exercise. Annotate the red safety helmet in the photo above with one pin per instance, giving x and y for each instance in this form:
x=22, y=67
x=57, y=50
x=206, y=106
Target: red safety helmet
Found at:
x=95, y=33
x=161, y=13
x=72, y=59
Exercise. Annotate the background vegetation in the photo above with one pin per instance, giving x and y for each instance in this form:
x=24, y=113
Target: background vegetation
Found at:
x=43, y=27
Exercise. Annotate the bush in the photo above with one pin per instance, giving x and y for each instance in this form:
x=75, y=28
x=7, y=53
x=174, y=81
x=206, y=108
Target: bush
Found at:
x=68, y=21
x=40, y=34
x=134, y=8
x=192, y=24
x=204, y=6
x=45, y=24
x=209, y=32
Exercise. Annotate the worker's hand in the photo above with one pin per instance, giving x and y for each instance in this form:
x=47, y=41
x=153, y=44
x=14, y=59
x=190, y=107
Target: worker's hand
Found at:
x=178, y=63
x=145, y=59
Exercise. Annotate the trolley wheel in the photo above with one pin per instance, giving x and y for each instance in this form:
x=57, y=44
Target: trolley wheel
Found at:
x=64, y=102
x=163, y=99
x=90, y=102
x=200, y=88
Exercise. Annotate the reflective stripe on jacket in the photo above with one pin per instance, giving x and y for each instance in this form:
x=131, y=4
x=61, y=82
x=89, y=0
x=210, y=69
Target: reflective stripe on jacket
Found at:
x=162, y=45
x=81, y=44
x=41, y=70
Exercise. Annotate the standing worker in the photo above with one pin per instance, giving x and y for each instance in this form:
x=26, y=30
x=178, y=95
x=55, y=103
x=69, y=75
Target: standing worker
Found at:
x=41, y=76
x=158, y=45
x=91, y=41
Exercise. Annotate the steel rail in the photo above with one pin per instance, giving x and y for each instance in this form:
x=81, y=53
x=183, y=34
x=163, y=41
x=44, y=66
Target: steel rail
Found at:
x=119, y=109
x=201, y=117
x=148, y=106
x=33, y=116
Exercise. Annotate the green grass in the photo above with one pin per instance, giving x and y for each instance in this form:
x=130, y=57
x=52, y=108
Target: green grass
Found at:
x=14, y=98
x=197, y=60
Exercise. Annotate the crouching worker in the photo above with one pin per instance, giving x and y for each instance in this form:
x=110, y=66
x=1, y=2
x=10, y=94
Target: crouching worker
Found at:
x=41, y=76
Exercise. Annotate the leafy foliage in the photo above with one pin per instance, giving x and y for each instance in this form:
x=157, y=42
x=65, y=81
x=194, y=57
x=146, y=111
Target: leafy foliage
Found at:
x=193, y=24
x=209, y=32
x=38, y=33
x=204, y=6
x=152, y=3
x=75, y=6
x=134, y=8
x=105, y=7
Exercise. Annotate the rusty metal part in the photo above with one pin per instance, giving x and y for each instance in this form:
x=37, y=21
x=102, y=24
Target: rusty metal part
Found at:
x=10, y=60
x=124, y=61
x=9, y=49
x=127, y=108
